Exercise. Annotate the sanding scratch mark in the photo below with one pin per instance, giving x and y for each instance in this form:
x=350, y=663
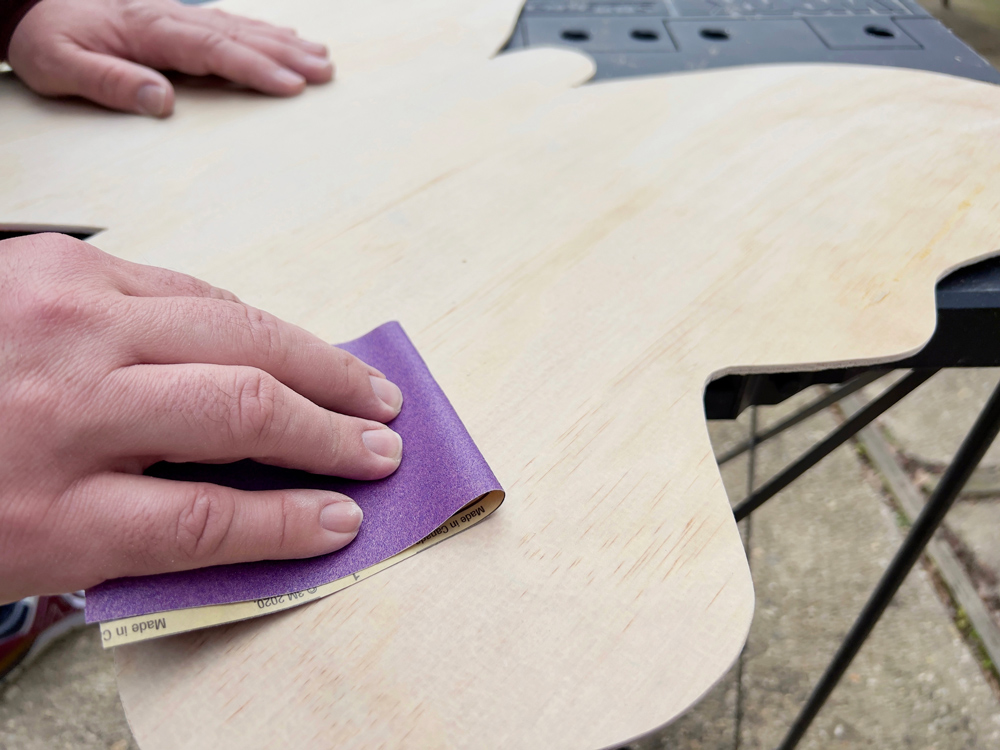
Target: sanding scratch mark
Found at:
x=717, y=593
x=233, y=714
x=580, y=419
x=708, y=540
x=627, y=494
x=686, y=538
x=598, y=498
x=593, y=437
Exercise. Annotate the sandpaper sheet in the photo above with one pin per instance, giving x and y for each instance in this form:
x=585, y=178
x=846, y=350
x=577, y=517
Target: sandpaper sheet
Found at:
x=441, y=473
x=174, y=621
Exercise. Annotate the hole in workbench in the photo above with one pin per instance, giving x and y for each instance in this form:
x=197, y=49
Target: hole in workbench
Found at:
x=576, y=35
x=879, y=31
x=644, y=35
x=715, y=35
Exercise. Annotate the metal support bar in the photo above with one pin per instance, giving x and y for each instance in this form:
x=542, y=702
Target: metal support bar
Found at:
x=832, y=441
x=971, y=452
x=851, y=386
x=748, y=542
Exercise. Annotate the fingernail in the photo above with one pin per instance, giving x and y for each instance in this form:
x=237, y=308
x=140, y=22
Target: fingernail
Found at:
x=343, y=517
x=384, y=442
x=314, y=61
x=316, y=48
x=151, y=99
x=288, y=79
x=388, y=392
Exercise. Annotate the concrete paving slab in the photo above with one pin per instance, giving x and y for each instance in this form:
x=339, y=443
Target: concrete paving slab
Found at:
x=977, y=525
x=66, y=700
x=984, y=482
x=930, y=423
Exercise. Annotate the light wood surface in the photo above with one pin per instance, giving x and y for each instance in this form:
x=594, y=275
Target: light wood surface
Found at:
x=574, y=263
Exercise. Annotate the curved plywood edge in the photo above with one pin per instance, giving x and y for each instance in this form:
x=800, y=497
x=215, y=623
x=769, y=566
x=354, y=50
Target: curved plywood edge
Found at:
x=573, y=262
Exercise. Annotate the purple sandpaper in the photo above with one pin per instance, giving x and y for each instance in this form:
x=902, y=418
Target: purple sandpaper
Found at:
x=442, y=470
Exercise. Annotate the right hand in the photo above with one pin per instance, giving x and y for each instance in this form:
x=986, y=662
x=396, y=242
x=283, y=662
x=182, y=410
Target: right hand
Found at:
x=107, y=367
x=110, y=51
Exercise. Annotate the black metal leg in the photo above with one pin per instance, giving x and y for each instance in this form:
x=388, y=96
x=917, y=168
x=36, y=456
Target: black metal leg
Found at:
x=748, y=541
x=851, y=386
x=971, y=452
x=833, y=441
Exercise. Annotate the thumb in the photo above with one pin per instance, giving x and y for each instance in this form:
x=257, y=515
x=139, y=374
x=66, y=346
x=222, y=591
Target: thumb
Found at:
x=118, y=84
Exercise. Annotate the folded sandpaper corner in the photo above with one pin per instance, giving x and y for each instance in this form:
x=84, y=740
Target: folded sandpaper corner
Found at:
x=441, y=471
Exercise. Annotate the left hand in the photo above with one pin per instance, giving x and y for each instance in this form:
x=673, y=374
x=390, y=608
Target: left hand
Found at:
x=107, y=50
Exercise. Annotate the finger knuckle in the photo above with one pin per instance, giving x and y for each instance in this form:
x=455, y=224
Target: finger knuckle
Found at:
x=265, y=333
x=336, y=441
x=112, y=82
x=180, y=283
x=62, y=249
x=256, y=402
x=239, y=36
x=353, y=378
x=137, y=12
x=204, y=523
x=225, y=295
x=212, y=41
x=54, y=286
x=342, y=373
x=53, y=307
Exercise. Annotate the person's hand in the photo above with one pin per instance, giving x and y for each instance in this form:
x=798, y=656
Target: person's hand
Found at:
x=107, y=367
x=106, y=51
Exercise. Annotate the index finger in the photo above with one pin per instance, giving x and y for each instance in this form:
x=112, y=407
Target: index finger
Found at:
x=182, y=330
x=138, y=280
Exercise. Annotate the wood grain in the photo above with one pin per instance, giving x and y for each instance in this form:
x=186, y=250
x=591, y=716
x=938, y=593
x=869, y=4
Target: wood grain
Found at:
x=574, y=262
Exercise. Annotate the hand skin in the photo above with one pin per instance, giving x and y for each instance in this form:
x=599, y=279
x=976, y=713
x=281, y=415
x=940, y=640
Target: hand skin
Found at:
x=107, y=367
x=106, y=51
